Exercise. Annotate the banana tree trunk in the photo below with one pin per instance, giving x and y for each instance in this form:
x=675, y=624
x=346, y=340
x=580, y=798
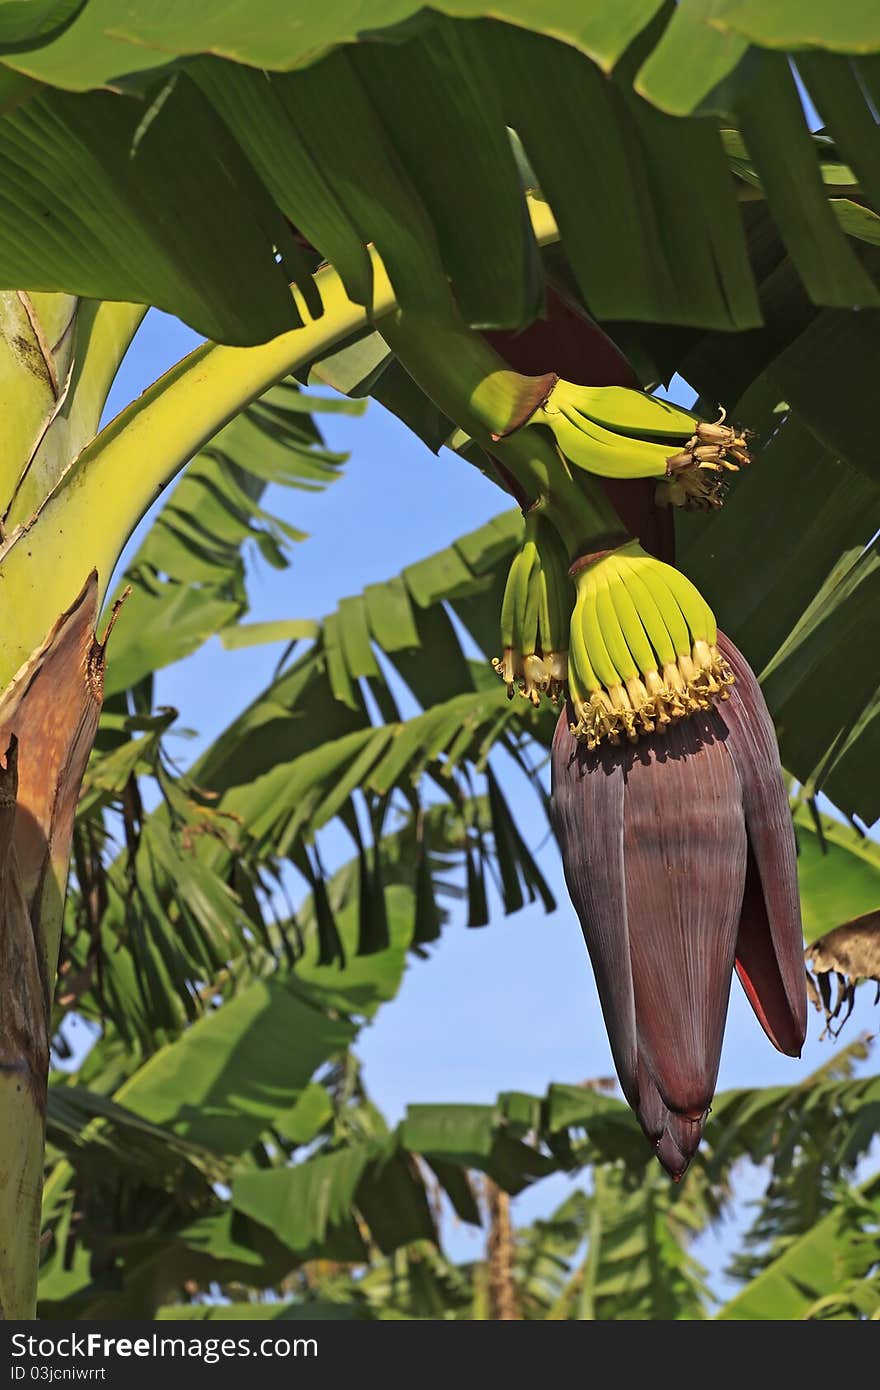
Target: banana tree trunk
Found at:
x=48, y=719
x=500, y=1256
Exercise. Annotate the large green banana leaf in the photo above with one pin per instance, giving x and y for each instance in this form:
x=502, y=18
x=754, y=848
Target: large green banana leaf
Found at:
x=827, y=1273
x=187, y=576
x=137, y=141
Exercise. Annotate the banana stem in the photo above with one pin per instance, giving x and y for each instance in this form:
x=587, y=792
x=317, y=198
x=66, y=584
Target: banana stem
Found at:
x=461, y=373
x=20, y=1200
x=470, y=383
x=583, y=519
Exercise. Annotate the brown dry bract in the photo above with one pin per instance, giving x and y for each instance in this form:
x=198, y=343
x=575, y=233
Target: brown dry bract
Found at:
x=851, y=952
x=48, y=719
x=24, y=1041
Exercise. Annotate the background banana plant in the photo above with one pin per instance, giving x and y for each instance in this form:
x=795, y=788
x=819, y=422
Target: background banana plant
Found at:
x=649, y=171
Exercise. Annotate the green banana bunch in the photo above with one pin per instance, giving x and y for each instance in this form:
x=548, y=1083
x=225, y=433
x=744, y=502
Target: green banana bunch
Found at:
x=642, y=648
x=620, y=433
x=535, y=615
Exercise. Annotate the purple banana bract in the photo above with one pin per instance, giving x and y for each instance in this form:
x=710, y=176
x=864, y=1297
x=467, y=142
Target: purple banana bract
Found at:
x=679, y=857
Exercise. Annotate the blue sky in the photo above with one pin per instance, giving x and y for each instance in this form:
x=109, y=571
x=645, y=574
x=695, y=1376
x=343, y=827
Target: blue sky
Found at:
x=511, y=1006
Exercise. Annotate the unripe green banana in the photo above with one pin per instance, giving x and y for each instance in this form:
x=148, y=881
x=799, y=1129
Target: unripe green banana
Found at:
x=529, y=554
x=694, y=608
x=597, y=450
x=637, y=653
x=510, y=664
x=609, y=622
x=560, y=597
x=509, y=603
x=631, y=624
x=528, y=629
x=554, y=636
x=594, y=638
x=595, y=718
x=646, y=608
x=554, y=627
x=707, y=671
x=700, y=618
x=578, y=693
x=635, y=413
x=651, y=572
x=543, y=610
x=673, y=617
x=581, y=670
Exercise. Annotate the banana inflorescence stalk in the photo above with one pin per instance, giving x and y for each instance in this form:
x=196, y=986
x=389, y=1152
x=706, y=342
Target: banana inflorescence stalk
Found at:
x=642, y=649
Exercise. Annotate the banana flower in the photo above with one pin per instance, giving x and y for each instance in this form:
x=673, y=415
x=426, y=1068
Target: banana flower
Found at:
x=679, y=857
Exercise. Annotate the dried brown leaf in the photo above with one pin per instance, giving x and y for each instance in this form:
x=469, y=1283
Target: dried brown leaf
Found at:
x=850, y=953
